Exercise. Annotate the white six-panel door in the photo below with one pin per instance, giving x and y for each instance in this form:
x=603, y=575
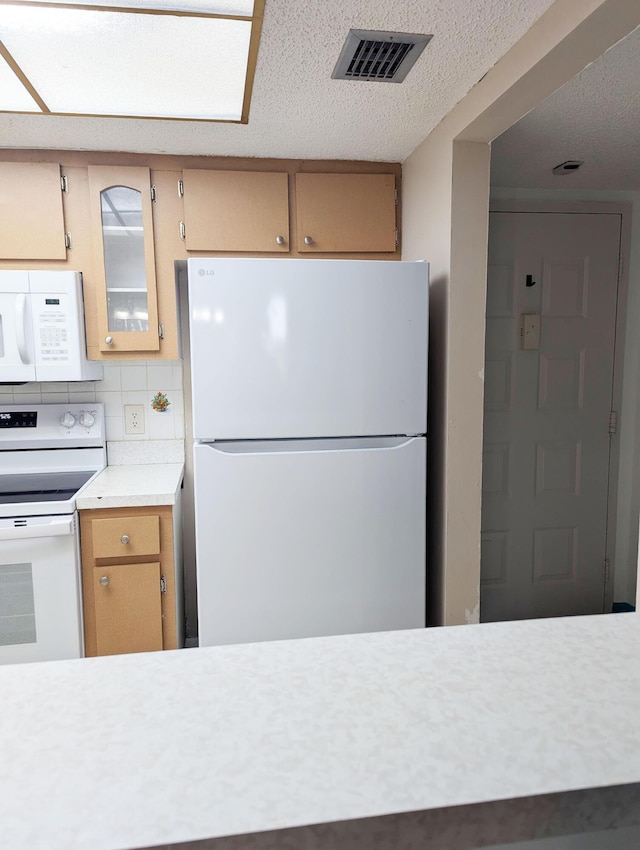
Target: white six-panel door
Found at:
x=546, y=431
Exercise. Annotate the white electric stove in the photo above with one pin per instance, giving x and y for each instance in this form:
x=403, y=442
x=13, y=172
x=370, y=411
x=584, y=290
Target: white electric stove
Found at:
x=48, y=454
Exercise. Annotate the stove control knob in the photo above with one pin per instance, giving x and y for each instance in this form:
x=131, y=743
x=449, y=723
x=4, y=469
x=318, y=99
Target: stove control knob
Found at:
x=67, y=420
x=86, y=419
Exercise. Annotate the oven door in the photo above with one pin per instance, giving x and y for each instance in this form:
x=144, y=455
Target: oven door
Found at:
x=40, y=617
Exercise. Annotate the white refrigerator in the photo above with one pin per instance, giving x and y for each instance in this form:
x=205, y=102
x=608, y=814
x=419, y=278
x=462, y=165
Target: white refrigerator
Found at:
x=309, y=385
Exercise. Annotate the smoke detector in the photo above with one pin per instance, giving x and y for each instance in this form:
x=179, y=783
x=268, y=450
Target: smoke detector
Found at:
x=384, y=57
x=568, y=167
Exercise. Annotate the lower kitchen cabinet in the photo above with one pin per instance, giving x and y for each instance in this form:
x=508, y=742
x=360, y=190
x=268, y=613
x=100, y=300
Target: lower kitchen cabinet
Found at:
x=131, y=602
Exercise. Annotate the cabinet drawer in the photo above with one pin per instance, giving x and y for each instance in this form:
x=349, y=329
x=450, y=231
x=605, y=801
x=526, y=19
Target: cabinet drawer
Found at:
x=123, y=537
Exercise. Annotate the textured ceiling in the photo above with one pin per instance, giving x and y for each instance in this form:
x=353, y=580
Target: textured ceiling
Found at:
x=594, y=117
x=297, y=110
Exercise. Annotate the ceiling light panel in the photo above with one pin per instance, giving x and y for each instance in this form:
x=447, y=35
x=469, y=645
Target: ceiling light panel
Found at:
x=15, y=96
x=240, y=8
x=87, y=62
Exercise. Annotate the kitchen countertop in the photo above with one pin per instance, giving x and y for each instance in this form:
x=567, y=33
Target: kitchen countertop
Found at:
x=128, y=486
x=517, y=726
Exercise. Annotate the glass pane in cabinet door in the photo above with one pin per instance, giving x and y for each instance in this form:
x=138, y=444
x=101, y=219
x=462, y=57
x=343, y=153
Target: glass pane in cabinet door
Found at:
x=125, y=270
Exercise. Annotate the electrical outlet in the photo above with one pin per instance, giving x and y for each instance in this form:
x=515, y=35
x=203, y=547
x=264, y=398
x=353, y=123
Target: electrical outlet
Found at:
x=134, y=419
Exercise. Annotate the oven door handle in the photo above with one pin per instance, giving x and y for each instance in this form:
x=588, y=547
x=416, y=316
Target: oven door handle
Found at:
x=57, y=527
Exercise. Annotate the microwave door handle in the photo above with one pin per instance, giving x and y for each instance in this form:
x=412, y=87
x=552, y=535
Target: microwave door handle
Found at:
x=21, y=327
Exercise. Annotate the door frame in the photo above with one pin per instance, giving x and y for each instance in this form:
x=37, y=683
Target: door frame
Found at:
x=623, y=210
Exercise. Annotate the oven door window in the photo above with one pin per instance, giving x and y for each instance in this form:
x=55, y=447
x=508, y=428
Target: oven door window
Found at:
x=17, y=605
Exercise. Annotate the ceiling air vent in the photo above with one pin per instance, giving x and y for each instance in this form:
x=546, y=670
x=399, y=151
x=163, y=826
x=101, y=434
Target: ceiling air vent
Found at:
x=385, y=57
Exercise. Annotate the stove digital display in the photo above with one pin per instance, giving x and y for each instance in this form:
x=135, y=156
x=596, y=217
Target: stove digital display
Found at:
x=23, y=419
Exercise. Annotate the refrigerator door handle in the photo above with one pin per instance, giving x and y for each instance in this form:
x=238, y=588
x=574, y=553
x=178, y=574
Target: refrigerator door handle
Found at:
x=316, y=445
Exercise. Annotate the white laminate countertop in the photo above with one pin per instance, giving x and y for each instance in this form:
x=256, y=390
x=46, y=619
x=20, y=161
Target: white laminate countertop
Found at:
x=128, y=486
x=162, y=748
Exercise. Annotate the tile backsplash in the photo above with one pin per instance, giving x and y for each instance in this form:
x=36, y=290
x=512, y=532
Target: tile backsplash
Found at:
x=125, y=382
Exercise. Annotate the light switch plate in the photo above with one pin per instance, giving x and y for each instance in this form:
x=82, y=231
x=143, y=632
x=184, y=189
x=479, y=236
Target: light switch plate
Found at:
x=530, y=331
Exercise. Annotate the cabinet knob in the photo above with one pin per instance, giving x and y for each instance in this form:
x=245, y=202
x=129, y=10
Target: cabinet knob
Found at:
x=108, y=340
x=104, y=581
x=279, y=240
x=308, y=240
x=124, y=538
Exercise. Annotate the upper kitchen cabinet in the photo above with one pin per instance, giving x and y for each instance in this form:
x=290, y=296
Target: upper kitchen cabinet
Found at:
x=240, y=211
x=122, y=227
x=31, y=217
x=346, y=213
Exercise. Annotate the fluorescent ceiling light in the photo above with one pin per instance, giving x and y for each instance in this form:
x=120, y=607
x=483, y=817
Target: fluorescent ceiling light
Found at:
x=82, y=60
x=13, y=95
x=237, y=8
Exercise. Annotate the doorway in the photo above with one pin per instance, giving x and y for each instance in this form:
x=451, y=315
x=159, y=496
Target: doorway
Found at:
x=549, y=474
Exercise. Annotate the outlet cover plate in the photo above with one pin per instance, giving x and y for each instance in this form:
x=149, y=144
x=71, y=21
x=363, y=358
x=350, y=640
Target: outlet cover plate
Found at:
x=134, y=419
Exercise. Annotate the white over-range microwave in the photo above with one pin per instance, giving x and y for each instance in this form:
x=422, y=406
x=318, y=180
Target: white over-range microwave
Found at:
x=42, y=334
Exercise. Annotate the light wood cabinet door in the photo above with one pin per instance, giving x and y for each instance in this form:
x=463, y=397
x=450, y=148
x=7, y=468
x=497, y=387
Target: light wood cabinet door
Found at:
x=345, y=213
x=31, y=216
x=122, y=230
x=128, y=608
x=241, y=211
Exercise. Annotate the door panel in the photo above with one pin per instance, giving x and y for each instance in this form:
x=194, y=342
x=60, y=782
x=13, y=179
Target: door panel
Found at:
x=128, y=608
x=236, y=210
x=546, y=439
x=345, y=212
x=307, y=542
x=31, y=212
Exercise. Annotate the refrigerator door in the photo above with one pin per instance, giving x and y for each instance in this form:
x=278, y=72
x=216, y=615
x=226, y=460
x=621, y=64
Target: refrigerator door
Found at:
x=317, y=537
x=284, y=349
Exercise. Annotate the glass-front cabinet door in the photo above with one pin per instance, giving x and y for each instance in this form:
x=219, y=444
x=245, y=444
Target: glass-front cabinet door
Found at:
x=121, y=217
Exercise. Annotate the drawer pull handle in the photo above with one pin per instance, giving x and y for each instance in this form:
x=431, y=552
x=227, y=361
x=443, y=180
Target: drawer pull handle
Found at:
x=308, y=240
x=124, y=538
x=104, y=581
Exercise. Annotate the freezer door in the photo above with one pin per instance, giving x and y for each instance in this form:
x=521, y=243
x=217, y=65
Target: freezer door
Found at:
x=307, y=348
x=311, y=538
